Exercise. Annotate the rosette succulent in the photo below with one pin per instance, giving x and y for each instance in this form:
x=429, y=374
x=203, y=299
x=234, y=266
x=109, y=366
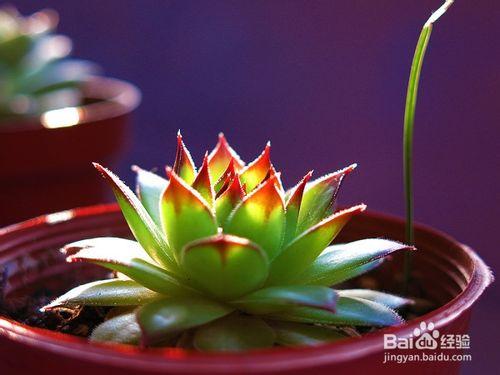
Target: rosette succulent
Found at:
x=35, y=73
x=226, y=259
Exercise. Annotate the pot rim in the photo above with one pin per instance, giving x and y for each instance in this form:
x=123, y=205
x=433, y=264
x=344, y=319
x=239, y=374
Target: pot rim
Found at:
x=275, y=359
x=118, y=98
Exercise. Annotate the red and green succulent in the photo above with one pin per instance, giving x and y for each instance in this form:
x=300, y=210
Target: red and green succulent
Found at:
x=226, y=259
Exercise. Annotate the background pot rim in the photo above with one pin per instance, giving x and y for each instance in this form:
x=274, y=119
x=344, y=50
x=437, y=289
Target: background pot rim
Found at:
x=118, y=98
x=276, y=359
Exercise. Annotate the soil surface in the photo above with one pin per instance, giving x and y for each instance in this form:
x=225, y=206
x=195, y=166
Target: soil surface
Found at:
x=78, y=321
x=81, y=321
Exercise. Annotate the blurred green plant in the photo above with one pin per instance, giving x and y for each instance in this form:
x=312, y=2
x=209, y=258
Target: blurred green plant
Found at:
x=226, y=259
x=35, y=73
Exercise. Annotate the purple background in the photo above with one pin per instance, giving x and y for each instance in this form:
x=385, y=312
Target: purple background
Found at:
x=325, y=81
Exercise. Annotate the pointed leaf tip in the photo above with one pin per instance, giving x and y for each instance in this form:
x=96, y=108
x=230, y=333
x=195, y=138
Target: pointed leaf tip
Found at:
x=303, y=250
x=184, y=165
x=220, y=157
x=341, y=262
x=318, y=199
x=140, y=222
x=293, y=208
x=255, y=172
x=229, y=199
x=225, y=179
x=203, y=183
x=272, y=173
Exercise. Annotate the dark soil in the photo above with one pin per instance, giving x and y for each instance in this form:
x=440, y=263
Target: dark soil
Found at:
x=78, y=321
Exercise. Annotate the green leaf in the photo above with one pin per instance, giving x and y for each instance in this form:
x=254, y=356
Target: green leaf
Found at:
x=234, y=333
x=225, y=179
x=105, y=293
x=255, y=172
x=260, y=217
x=302, y=251
x=273, y=299
x=390, y=300
x=142, y=226
x=293, y=204
x=225, y=266
x=319, y=198
x=349, y=311
x=342, y=262
x=185, y=215
x=122, y=329
x=299, y=334
x=203, y=184
x=150, y=188
x=228, y=200
x=129, y=258
x=184, y=166
x=173, y=315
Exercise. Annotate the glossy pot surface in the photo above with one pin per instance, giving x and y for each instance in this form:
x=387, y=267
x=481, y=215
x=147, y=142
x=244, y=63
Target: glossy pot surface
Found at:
x=45, y=162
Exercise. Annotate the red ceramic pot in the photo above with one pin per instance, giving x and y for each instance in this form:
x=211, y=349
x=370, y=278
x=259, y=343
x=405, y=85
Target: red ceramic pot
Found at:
x=45, y=162
x=451, y=274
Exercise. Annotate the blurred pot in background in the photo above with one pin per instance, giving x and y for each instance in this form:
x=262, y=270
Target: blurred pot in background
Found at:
x=56, y=117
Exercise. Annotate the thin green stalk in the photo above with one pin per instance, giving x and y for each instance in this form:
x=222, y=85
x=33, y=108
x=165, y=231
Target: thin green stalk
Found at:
x=409, y=119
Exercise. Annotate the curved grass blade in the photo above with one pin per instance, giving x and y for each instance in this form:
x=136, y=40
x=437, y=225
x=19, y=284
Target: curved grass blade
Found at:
x=409, y=120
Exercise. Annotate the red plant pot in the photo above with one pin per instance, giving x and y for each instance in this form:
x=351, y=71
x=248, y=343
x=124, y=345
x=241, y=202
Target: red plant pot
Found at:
x=45, y=162
x=452, y=275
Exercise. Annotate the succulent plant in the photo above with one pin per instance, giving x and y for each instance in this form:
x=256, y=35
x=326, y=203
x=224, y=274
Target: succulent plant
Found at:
x=226, y=259
x=35, y=74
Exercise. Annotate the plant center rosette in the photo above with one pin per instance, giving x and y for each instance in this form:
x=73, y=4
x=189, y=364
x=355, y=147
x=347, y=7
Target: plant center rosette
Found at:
x=225, y=259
